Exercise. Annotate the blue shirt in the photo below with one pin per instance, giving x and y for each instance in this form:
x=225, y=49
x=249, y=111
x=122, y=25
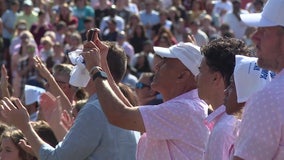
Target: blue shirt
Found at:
x=92, y=137
x=9, y=19
x=81, y=14
x=149, y=19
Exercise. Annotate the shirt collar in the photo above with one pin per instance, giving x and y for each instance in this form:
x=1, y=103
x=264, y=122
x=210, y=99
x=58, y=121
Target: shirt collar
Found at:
x=214, y=117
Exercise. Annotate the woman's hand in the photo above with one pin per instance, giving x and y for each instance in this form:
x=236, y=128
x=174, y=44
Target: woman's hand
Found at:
x=15, y=113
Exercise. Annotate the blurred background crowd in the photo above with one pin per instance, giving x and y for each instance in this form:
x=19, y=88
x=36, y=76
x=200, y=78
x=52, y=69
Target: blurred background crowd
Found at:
x=51, y=29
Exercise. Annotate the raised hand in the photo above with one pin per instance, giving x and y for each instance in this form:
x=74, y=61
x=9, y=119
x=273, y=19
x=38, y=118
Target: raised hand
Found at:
x=15, y=113
x=66, y=120
x=191, y=39
x=91, y=52
x=41, y=68
x=24, y=145
x=50, y=108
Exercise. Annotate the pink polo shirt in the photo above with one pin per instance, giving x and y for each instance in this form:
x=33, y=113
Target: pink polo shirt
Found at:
x=261, y=134
x=174, y=129
x=222, y=136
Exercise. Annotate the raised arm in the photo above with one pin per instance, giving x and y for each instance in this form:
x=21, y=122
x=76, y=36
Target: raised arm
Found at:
x=54, y=88
x=4, y=82
x=104, y=64
x=116, y=107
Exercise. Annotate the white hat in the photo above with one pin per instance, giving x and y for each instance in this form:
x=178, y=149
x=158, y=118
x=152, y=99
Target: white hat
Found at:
x=188, y=53
x=249, y=78
x=32, y=94
x=272, y=15
x=28, y=2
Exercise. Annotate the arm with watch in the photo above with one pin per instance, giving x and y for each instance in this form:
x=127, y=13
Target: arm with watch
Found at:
x=97, y=72
x=115, y=106
x=103, y=68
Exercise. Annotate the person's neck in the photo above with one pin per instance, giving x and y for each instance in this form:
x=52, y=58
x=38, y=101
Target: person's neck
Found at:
x=216, y=102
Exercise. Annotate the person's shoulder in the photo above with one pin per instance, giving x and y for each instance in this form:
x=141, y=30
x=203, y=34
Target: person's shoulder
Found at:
x=106, y=18
x=131, y=77
x=34, y=14
x=154, y=12
x=89, y=8
x=20, y=14
x=142, y=12
x=91, y=108
x=118, y=18
x=7, y=12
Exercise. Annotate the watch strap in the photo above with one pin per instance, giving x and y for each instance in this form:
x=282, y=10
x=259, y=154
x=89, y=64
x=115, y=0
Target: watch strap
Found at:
x=100, y=74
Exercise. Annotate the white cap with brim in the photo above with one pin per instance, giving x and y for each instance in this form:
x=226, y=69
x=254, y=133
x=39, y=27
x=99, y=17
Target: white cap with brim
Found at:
x=249, y=78
x=188, y=53
x=272, y=15
x=32, y=94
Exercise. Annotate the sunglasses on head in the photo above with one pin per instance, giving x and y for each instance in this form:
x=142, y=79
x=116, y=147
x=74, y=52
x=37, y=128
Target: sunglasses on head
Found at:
x=141, y=85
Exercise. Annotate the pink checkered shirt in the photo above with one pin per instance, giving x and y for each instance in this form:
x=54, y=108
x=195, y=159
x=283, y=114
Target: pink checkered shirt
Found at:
x=261, y=134
x=174, y=129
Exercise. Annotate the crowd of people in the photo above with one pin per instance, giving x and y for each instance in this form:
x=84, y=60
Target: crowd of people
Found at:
x=127, y=79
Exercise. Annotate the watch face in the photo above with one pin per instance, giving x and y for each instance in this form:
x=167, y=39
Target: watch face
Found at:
x=104, y=75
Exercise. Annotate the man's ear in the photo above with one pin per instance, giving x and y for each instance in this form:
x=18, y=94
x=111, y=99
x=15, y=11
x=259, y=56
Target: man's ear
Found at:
x=217, y=78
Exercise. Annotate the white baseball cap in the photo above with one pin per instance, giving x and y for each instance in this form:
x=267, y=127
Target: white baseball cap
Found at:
x=249, y=78
x=188, y=53
x=272, y=15
x=32, y=94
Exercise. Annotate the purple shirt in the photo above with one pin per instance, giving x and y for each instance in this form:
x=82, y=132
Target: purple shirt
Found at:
x=174, y=129
x=222, y=137
x=261, y=134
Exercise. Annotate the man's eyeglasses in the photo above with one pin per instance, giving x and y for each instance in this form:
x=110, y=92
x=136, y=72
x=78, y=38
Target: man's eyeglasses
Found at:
x=140, y=85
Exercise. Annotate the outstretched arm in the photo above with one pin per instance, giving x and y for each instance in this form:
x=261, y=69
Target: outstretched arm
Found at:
x=116, y=107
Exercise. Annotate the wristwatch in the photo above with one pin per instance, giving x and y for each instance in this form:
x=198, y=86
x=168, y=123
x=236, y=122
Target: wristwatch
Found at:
x=100, y=74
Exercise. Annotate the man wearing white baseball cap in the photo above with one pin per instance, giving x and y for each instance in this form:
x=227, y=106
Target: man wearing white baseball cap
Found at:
x=173, y=129
x=261, y=134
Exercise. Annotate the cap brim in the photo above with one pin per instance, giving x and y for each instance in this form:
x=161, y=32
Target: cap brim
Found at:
x=256, y=20
x=163, y=52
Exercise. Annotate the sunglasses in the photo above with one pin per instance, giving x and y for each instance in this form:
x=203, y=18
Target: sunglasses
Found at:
x=140, y=85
